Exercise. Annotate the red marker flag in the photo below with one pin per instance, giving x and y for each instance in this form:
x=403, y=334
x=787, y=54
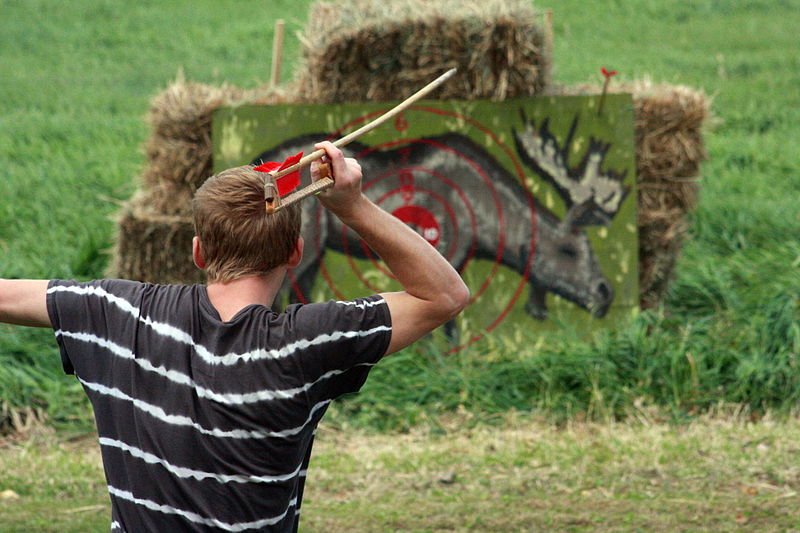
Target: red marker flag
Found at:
x=607, y=73
x=289, y=182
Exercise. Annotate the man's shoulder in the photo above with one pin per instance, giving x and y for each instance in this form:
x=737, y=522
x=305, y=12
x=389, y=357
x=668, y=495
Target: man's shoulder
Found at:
x=104, y=283
x=339, y=315
x=336, y=305
x=116, y=290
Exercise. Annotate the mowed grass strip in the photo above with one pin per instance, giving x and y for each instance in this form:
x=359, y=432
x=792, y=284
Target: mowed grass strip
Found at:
x=720, y=474
x=717, y=473
x=52, y=484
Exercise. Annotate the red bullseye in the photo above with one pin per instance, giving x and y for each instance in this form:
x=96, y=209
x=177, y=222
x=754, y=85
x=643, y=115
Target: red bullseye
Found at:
x=421, y=220
x=408, y=193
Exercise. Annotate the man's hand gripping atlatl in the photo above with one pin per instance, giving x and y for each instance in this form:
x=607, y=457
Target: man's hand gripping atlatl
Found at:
x=346, y=175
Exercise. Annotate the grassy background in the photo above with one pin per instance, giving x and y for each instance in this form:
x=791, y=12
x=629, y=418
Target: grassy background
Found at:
x=77, y=80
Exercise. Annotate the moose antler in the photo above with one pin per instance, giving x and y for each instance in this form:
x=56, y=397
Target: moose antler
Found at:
x=586, y=183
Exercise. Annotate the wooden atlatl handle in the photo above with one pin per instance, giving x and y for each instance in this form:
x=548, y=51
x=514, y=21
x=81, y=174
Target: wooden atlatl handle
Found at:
x=324, y=182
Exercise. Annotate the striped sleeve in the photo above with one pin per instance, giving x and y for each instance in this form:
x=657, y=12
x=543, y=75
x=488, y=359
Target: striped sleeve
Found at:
x=91, y=310
x=359, y=332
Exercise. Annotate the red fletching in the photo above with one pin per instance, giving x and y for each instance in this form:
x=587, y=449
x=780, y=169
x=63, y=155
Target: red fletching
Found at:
x=287, y=183
x=291, y=181
x=269, y=166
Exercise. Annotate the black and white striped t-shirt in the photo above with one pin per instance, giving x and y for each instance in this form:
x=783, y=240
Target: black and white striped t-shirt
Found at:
x=207, y=425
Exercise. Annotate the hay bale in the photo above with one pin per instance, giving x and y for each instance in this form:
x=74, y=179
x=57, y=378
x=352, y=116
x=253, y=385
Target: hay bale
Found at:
x=179, y=148
x=154, y=248
x=168, y=198
x=377, y=50
x=669, y=122
x=183, y=110
x=670, y=148
x=187, y=163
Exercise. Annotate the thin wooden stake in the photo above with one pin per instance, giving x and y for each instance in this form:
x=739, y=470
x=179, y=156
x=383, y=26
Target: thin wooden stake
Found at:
x=549, y=35
x=277, y=52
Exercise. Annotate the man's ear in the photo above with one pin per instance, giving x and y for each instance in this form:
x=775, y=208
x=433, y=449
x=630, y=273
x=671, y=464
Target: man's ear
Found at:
x=197, y=253
x=297, y=254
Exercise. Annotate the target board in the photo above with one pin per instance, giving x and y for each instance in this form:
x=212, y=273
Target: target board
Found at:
x=531, y=200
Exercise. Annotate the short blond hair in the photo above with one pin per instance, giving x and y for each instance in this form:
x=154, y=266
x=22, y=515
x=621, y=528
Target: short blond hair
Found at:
x=238, y=238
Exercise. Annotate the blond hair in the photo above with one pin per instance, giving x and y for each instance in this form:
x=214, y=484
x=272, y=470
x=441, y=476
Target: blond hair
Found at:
x=238, y=238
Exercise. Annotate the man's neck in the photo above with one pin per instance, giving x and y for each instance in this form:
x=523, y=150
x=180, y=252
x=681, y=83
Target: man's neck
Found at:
x=230, y=298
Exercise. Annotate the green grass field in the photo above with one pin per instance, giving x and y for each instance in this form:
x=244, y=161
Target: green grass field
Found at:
x=76, y=83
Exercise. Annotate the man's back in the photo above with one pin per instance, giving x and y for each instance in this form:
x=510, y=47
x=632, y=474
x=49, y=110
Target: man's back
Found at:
x=207, y=425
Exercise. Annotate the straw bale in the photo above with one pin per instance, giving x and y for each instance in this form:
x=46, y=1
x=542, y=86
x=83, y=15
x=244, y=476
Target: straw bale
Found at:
x=670, y=149
x=180, y=147
x=187, y=163
x=183, y=111
x=377, y=50
x=669, y=125
x=168, y=198
x=154, y=248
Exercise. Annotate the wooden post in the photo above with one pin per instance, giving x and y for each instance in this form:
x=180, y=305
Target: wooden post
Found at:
x=549, y=33
x=277, y=52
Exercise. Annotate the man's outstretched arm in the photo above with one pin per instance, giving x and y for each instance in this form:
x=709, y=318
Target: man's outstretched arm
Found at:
x=434, y=292
x=24, y=302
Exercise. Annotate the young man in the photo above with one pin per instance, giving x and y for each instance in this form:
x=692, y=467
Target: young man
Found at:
x=206, y=400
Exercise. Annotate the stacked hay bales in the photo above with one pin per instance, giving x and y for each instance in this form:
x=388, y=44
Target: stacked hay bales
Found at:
x=376, y=51
x=152, y=247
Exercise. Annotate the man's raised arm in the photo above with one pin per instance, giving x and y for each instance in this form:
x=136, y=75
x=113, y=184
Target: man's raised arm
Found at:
x=24, y=302
x=434, y=292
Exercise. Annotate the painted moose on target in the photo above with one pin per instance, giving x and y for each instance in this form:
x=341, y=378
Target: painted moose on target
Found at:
x=467, y=205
